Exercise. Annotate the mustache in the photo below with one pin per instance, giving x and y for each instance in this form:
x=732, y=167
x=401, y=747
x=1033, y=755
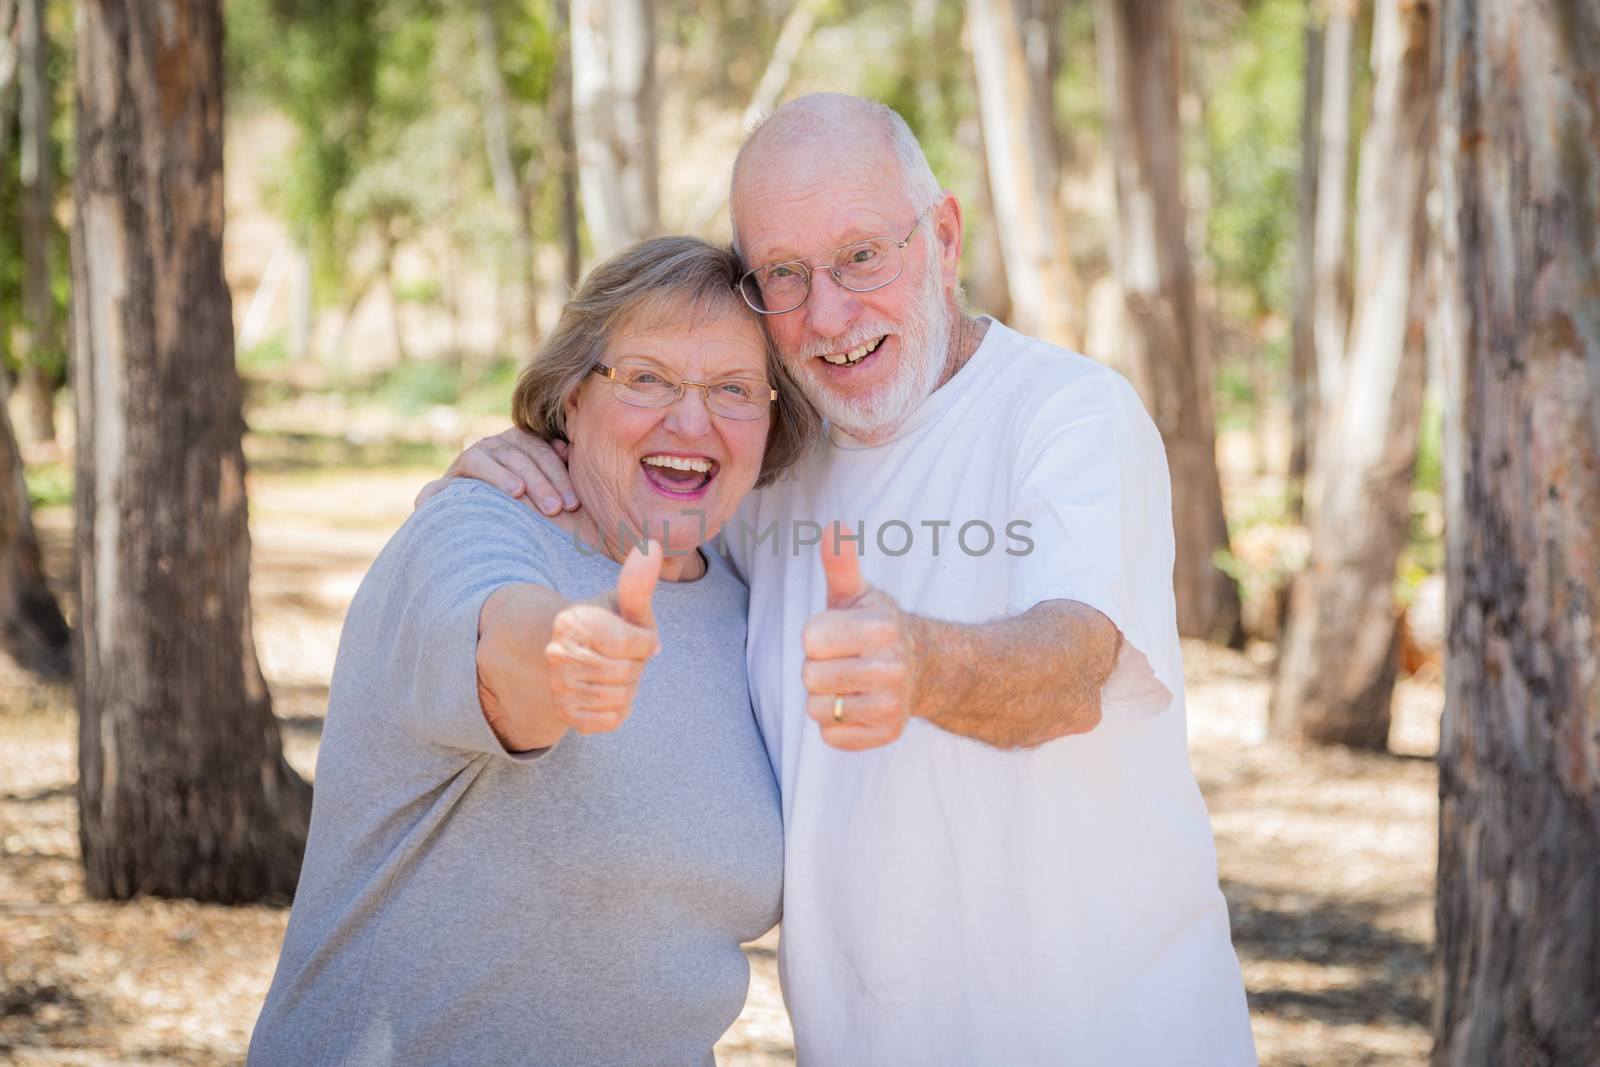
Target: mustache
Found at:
x=845, y=342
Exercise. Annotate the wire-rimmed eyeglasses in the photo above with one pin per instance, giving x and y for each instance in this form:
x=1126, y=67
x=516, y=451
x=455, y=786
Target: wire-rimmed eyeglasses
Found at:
x=643, y=385
x=860, y=267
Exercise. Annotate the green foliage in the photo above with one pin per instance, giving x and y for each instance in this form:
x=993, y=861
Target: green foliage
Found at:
x=1078, y=111
x=386, y=96
x=1424, y=553
x=414, y=387
x=530, y=49
x=489, y=393
x=13, y=268
x=1252, y=135
x=317, y=60
x=272, y=352
x=724, y=45
x=49, y=484
x=1430, y=447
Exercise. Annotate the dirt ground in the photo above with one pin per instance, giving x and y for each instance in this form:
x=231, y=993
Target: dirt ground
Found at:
x=1326, y=857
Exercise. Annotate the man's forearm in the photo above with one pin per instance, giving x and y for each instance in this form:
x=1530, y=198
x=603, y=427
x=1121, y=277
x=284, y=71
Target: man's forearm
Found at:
x=1016, y=682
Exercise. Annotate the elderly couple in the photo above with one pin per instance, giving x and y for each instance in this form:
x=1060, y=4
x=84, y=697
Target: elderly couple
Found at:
x=546, y=817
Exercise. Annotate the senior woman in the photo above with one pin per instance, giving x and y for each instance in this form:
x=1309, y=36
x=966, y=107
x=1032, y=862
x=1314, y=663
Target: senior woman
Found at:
x=544, y=819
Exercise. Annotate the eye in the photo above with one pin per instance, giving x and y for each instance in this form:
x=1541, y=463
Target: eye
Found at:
x=737, y=389
x=781, y=272
x=864, y=255
x=645, y=379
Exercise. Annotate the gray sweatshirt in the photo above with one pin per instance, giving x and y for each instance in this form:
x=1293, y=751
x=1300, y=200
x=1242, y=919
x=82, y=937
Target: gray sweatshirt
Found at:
x=459, y=905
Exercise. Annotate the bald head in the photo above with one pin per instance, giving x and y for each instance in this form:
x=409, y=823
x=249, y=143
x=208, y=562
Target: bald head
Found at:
x=822, y=130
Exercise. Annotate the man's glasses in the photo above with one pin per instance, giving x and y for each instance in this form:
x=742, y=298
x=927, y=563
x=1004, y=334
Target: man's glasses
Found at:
x=643, y=385
x=860, y=267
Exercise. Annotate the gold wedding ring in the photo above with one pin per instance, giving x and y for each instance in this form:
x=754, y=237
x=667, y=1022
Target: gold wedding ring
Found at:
x=838, y=708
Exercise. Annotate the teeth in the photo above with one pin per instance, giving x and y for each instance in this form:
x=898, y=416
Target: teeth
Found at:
x=678, y=463
x=855, y=355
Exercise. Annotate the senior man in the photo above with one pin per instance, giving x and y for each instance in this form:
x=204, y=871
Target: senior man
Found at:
x=996, y=853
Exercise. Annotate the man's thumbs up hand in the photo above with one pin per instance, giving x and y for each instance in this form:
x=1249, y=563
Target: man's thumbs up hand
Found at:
x=842, y=568
x=598, y=648
x=861, y=656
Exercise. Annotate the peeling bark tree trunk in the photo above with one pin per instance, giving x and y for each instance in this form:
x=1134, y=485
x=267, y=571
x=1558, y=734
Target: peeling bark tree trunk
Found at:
x=37, y=169
x=1303, y=399
x=1023, y=171
x=1337, y=669
x=1517, y=963
x=183, y=789
x=1331, y=265
x=1138, y=52
x=614, y=115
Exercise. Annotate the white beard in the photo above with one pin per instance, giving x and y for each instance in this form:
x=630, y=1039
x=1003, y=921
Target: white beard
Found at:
x=924, y=346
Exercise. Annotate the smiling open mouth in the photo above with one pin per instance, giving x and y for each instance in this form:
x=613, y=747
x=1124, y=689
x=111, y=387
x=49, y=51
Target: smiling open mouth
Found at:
x=679, y=475
x=855, y=355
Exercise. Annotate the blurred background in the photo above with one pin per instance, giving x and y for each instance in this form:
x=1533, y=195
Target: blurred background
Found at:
x=1231, y=201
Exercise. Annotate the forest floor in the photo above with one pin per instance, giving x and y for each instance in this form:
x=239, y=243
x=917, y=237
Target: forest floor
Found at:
x=1326, y=856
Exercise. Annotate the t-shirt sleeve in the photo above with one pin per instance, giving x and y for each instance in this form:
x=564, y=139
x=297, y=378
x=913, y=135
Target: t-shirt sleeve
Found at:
x=420, y=621
x=1093, y=487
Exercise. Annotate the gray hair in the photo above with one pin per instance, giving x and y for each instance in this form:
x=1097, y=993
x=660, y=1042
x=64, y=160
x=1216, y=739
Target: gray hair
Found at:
x=657, y=280
x=823, y=116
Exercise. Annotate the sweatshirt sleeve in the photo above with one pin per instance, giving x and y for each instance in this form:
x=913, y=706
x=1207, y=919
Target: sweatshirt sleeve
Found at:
x=412, y=631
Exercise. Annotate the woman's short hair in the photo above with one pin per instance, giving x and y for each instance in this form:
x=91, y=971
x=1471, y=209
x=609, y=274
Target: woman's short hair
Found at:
x=662, y=279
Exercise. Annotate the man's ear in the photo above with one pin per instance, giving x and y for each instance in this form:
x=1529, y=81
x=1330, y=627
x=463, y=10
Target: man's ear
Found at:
x=947, y=230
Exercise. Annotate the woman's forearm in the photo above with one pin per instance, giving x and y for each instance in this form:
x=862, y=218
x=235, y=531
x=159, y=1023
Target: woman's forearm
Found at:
x=514, y=626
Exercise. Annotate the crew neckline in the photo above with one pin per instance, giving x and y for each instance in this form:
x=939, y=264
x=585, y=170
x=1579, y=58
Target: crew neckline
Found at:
x=937, y=402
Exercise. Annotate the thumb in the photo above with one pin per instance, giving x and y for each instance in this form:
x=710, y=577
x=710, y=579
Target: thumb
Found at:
x=842, y=567
x=640, y=572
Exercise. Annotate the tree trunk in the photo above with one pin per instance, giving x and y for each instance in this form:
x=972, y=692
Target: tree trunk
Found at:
x=614, y=115
x=1138, y=52
x=37, y=169
x=1517, y=963
x=1331, y=266
x=1303, y=399
x=32, y=630
x=300, y=311
x=1023, y=172
x=389, y=245
x=8, y=62
x=183, y=789
x=509, y=187
x=1337, y=669
x=566, y=151
x=988, y=287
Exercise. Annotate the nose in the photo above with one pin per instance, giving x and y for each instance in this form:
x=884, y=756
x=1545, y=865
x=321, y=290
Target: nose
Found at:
x=688, y=417
x=831, y=308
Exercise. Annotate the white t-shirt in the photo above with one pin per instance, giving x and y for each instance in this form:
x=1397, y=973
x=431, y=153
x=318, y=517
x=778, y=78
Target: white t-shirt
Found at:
x=946, y=902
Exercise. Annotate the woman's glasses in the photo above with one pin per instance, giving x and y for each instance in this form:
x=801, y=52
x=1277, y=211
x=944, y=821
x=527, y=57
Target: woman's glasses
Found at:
x=642, y=385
